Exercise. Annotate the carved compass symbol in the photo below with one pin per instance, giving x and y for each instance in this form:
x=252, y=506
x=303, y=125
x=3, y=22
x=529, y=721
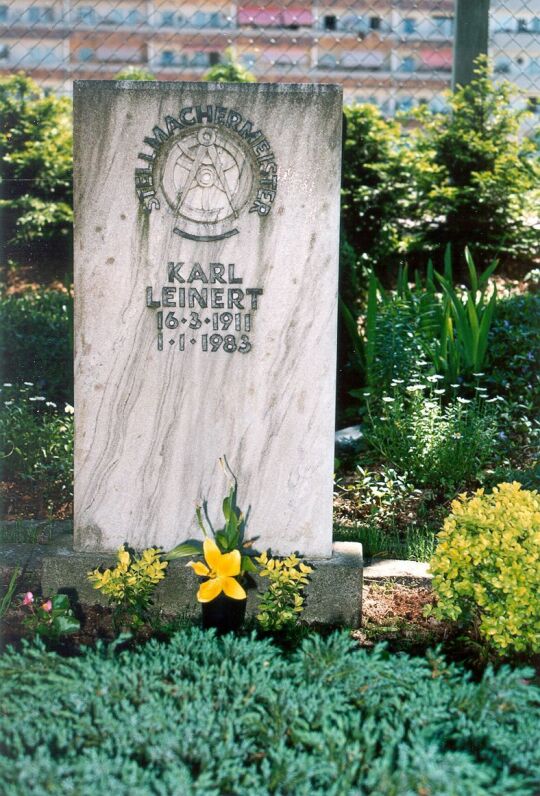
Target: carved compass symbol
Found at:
x=207, y=177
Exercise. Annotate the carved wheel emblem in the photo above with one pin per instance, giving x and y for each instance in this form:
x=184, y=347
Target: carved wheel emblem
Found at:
x=206, y=178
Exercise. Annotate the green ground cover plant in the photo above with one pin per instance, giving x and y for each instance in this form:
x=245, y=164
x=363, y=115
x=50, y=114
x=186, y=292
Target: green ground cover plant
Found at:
x=36, y=343
x=439, y=444
x=236, y=715
x=36, y=442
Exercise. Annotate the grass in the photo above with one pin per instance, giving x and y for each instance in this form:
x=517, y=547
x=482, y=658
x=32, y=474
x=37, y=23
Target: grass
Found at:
x=409, y=544
x=25, y=532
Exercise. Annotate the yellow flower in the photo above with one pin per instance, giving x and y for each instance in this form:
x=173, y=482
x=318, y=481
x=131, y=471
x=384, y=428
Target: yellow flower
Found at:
x=221, y=570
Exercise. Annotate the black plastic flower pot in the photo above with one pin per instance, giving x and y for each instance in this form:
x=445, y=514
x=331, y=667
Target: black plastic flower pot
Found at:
x=224, y=614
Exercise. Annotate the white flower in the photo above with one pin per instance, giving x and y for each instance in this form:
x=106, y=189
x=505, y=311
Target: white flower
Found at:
x=414, y=387
x=432, y=378
x=69, y=410
x=457, y=435
x=8, y=384
x=463, y=400
x=388, y=400
x=37, y=398
x=50, y=403
x=439, y=392
x=479, y=374
x=28, y=383
x=455, y=385
x=8, y=403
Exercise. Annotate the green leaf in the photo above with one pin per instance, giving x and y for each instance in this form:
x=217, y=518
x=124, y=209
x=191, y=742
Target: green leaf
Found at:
x=248, y=565
x=66, y=624
x=200, y=523
x=472, y=271
x=371, y=325
x=474, y=330
x=222, y=541
x=487, y=273
x=485, y=325
x=60, y=601
x=193, y=547
x=448, y=274
x=352, y=330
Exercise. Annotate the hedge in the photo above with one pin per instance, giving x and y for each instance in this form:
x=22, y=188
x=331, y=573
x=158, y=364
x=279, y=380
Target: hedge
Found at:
x=36, y=345
x=202, y=715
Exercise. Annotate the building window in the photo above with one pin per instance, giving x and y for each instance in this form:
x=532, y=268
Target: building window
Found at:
x=248, y=60
x=4, y=52
x=40, y=14
x=86, y=54
x=215, y=58
x=86, y=15
x=409, y=25
x=502, y=66
x=522, y=26
x=200, y=59
x=443, y=26
x=3, y=14
x=133, y=17
x=532, y=105
x=375, y=23
x=167, y=19
x=167, y=58
x=327, y=61
x=330, y=22
x=408, y=64
x=114, y=17
x=200, y=19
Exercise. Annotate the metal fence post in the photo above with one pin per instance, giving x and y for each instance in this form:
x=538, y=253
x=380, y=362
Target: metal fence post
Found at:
x=470, y=38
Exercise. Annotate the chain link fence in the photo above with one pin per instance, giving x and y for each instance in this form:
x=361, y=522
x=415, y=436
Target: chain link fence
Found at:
x=393, y=53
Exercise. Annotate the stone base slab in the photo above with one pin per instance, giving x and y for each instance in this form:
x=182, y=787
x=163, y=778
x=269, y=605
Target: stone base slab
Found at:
x=333, y=597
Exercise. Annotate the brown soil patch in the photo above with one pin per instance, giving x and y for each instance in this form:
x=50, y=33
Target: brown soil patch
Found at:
x=34, y=277
x=96, y=624
x=395, y=613
x=24, y=501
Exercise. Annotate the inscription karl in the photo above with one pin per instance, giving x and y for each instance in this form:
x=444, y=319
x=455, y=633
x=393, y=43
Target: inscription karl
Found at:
x=207, y=317
x=204, y=167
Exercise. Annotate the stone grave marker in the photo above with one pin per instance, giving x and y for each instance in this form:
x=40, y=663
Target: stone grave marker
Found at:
x=206, y=268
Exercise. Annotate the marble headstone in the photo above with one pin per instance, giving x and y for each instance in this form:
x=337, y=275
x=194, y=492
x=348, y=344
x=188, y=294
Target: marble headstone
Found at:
x=206, y=265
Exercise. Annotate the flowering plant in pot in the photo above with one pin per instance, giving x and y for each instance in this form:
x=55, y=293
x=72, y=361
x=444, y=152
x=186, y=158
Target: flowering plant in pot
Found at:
x=228, y=560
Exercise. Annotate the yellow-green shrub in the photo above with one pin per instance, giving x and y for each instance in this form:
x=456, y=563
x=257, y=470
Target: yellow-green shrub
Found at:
x=130, y=586
x=487, y=566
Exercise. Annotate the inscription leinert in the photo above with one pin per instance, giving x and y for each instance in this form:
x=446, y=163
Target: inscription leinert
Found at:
x=181, y=306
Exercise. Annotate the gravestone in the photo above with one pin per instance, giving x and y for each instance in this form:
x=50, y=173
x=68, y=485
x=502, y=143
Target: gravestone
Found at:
x=206, y=266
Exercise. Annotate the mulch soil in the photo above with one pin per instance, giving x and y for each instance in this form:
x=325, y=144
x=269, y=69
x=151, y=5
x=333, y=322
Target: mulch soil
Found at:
x=20, y=500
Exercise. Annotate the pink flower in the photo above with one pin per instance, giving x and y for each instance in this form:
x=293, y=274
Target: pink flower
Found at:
x=28, y=598
x=47, y=606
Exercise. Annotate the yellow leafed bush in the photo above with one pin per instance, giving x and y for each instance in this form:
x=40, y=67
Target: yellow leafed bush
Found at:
x=487, y=566
x=129, y=587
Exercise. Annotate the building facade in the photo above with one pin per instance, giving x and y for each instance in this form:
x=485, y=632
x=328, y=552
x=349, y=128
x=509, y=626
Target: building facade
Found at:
x=393, y=53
